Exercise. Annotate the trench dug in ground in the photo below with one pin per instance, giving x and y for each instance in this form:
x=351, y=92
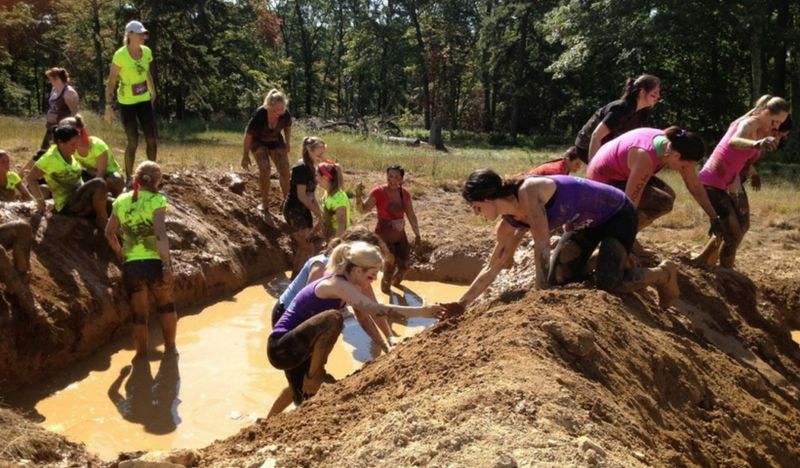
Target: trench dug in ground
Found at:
x=531, y=378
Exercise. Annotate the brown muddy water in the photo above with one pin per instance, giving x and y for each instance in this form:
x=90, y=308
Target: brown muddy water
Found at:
x=219, y=382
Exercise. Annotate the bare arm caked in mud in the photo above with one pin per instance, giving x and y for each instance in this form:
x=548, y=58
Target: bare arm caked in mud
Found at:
x=367, y=321
x=641, y=168
x=508, y=239
x=747, y=137
x=338, y=287
x=699, y=193
x=534, y=194
x=162, y=241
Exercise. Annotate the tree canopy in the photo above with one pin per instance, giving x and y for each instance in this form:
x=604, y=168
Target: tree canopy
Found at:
x=507, y=67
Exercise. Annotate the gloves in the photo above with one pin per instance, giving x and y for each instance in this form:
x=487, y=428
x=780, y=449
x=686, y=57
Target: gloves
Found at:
x=755, y=182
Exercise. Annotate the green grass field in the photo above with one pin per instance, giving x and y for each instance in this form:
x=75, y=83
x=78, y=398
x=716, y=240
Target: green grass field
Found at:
x=199, y=146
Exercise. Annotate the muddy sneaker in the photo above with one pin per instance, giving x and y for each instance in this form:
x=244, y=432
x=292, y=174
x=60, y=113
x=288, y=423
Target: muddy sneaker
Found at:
x=269, y=220
x=668, y=292
x=311, y=385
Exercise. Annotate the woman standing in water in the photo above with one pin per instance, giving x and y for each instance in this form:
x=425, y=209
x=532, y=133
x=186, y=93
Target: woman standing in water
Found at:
x=741, y=146
x=617, y=117
x=147, y=267
x=269, y=137
x=136, y=93
x=301, y=207
x=62, y=103
x=305, y=334
x=393, y=203
x=594, y=214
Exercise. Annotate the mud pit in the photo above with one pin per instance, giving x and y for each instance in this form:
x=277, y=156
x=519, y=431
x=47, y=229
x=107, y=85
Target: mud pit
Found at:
x=220, y=382
x=569, y=376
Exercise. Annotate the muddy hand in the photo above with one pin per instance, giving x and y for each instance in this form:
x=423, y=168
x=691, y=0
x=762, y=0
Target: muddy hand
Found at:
x=767, y=144
x=245, y=162
x=755, y=182
x=453, y=309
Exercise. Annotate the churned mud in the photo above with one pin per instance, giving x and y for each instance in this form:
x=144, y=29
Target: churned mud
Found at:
x=567, y=376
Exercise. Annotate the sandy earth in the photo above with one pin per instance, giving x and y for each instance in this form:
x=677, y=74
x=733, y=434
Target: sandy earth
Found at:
x=568, y=376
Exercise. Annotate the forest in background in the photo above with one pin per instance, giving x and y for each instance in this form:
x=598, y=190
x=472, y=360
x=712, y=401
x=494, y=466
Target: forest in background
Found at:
x=502, y=67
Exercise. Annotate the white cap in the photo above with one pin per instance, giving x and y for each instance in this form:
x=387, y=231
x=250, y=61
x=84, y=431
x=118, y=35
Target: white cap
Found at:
x=135, y=27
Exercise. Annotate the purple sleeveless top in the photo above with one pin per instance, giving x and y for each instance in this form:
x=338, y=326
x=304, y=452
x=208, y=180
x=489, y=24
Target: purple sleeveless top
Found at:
x=610, y=164
x=726, y=162
x=304, y=306
x=579, y=202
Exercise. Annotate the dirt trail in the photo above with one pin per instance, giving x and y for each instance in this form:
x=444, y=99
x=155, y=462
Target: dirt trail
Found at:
x=568, y=376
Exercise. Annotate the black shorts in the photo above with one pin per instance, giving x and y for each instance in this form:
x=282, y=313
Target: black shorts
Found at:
x=140, y=274
x=297, y=216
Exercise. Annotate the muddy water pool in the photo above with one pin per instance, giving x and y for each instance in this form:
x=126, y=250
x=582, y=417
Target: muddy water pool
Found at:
x=219, y=382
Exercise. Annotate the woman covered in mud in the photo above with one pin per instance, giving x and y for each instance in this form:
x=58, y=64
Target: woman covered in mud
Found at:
x=393, y=203
x=62, y=103
x=336, y=203
x=593, y=214
x=305, y=334
x=301, y=207
x=96, y=158
x=617, y=117
x=62, y=172
x=268, y=136
x=313, y=270
x=136, y=94
x=630, y=162
x=11, y=186
x=144, y=253
x=739, y=148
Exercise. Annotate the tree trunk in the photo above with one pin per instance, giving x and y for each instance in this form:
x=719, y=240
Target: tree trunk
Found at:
x=99, y=66
x=781, y=28
x=435, y=138
x=308, y=59
x=423, y=63
x=486, y=78
x=519, y=76
x=756, y=63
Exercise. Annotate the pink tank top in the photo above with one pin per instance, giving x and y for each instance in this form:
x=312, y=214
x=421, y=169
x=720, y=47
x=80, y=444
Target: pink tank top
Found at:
x=726, y=162
x=610, y=163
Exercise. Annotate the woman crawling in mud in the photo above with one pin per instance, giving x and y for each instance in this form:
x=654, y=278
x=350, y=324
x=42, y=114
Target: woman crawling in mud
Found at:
x=305, y=334
x=146, y=267
x=630, y=162
x=592, y=214
x=313, y=270
x=741, y=146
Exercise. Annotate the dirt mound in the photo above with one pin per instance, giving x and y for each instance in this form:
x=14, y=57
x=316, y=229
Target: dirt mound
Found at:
x=25, y=443
x=558, y=377
x=219, y=243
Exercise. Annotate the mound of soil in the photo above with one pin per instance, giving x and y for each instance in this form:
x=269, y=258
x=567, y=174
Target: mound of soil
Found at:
x=562, y=377
x=25, y=443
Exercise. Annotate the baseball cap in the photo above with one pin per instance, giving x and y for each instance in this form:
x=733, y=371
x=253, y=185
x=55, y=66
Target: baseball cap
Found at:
x=135, y=27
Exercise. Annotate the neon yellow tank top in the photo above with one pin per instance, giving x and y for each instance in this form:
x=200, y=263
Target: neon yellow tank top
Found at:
x=136, y=219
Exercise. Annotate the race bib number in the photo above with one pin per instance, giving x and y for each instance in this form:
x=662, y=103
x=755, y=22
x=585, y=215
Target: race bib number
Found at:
x=139, y=88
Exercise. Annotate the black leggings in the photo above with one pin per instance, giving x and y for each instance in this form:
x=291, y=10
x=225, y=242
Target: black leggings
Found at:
x=615, y=238
x=134, y=115
x=291, y=352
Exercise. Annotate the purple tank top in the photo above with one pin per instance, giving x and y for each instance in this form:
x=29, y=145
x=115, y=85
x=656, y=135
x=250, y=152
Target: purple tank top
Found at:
x=579, y=202
x=304, y=306
x=610, y=164
x=726, y=162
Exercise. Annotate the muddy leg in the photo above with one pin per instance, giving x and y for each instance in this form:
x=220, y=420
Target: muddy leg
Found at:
x=388, y=274
x=18, y=237
x=710, y=254
x=402, y=253
x=281, y=403
x=568, y=260
x=264, y=170
x=281, y=161
x=140, y=306
x=303, y=251
x=168, y=317
x=732, y=236
x=331, y=326
x=664, y=278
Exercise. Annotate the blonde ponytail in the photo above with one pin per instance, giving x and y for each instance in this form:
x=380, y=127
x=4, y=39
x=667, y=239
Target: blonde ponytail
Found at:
x=351, y=254
x=274, y=96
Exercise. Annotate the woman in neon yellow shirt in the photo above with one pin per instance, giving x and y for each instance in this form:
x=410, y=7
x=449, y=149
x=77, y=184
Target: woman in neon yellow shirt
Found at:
x=336, y=204
x=96, y=158
x=136, y=93
x=62, y=173
x=146, y=267
x=10, y=181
